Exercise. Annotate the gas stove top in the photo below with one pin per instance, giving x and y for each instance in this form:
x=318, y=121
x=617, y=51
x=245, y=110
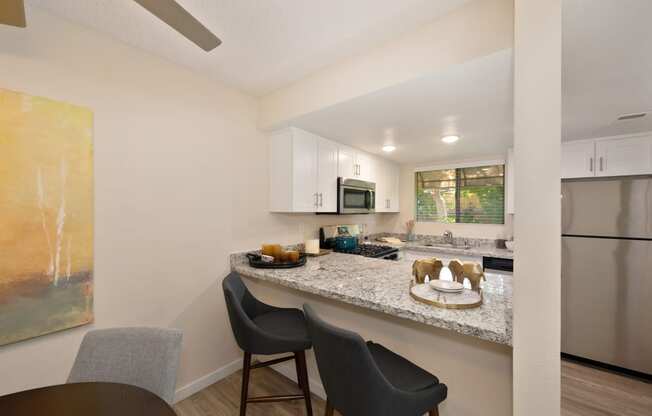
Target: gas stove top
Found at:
x=373, y=250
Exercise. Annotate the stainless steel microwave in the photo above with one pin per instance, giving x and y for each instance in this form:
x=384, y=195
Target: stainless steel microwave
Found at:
x=355, y=196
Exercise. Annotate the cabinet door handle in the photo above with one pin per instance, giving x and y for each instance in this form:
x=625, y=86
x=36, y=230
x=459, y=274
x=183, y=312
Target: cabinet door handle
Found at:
x=591, y=165
x=321, y=199
x=316, y=200
x=601, y=163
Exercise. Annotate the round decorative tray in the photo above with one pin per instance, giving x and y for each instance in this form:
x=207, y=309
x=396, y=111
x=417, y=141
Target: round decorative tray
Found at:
x=467, y=299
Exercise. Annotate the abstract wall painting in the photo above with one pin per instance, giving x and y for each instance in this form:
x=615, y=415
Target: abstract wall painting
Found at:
x=46, y=216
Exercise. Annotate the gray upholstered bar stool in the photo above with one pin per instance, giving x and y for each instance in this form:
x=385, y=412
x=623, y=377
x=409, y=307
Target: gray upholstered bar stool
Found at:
x=367, y=379
x=265, y=330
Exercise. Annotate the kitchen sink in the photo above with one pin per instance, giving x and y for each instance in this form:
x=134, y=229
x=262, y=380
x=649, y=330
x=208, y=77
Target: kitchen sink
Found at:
x=448, y=245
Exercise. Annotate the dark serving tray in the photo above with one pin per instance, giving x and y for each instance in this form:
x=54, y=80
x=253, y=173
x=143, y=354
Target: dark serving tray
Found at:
x=255, y=261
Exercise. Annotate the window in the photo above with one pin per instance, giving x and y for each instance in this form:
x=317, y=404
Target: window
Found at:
x=463, y=195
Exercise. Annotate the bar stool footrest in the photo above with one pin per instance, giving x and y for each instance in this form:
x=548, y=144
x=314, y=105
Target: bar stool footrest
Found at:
x=277, y=398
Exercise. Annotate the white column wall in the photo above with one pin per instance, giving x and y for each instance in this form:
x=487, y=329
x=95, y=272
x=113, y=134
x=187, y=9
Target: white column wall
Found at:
x=537, y=227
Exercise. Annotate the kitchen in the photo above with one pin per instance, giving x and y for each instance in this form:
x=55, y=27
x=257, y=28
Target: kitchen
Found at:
x=370, y=152
x=364, y=285
x=402, y=208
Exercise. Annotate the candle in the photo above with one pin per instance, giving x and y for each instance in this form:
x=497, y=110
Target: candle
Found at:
x=312, y=246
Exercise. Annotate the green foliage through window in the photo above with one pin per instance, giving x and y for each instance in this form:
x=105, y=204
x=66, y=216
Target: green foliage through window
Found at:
x=463, y=195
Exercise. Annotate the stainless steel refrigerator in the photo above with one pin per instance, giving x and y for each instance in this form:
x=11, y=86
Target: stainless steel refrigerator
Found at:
x=607, y=271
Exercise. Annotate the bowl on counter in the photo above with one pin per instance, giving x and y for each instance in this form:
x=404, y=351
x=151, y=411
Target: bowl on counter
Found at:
x=510, y=245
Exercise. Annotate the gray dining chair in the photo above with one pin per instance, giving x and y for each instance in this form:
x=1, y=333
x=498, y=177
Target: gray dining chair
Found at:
x=366, y=379
x=143, y=357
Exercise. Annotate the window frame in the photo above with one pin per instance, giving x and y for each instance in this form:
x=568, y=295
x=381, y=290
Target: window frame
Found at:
x=455, y=166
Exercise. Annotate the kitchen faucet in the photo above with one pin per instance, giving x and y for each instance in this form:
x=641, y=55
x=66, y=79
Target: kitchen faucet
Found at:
x=448, y=236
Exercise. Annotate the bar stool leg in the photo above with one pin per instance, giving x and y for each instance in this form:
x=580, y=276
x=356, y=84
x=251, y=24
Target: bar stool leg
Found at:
x=434, y=412
x=297, y=367
x=329, y=408
x=246, y=370
x=302, y=378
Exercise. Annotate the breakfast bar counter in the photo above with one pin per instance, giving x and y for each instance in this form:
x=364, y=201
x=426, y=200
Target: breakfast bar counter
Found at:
x=469, y=350
x=383, y=285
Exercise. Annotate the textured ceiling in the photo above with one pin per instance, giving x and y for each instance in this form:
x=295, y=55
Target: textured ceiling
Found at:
x=267, y=43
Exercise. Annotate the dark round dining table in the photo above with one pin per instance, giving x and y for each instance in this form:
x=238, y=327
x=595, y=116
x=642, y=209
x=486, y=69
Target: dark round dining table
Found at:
x=85, y=399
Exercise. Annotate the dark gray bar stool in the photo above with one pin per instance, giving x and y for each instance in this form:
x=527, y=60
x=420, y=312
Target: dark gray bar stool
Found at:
x=367, y=379
x=263, y=329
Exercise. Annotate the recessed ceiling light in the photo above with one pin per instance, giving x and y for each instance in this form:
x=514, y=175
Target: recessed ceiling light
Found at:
x=450, y=139
x=389, y=148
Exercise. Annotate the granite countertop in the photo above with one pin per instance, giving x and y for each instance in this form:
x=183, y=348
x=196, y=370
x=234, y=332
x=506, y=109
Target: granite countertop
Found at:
x=479, y=251
x=383, y=285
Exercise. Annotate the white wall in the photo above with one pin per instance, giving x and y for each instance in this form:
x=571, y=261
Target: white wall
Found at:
x=180, y=182
x=537, y=157
x=408, y=210
x=478, y=28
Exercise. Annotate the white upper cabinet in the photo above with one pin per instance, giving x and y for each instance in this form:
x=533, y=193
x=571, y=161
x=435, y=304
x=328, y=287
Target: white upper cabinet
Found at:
x=327, y=175
x=366, y=167
x=610, y=156
x=348, y=162
x=509, y=181
x=387, y=182
x=356, y=164
x=304, y=168
x=303, y=172
x=393, y=178
x=578, y=159
x=624, y=156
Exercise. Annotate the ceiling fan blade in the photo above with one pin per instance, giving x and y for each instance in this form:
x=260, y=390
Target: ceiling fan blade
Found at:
x=183, y=22
x=12, y=12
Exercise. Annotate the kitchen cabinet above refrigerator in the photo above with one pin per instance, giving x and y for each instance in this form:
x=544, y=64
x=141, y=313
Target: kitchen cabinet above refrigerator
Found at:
x=607, y=157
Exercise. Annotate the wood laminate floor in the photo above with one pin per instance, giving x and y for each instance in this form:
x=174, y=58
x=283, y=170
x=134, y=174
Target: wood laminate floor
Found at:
x=223, y=397
x=585, y=392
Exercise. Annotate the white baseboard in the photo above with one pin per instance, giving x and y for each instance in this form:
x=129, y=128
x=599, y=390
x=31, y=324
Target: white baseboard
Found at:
x=205, y=381
x=288, y=370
